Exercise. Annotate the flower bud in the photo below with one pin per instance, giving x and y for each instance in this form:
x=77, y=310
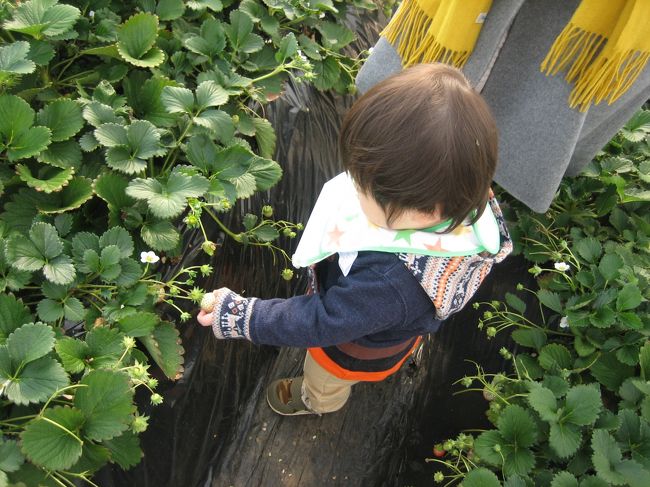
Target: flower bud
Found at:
x=267, y=211
x=287, y=274
x=140, y=424
x=209, y=247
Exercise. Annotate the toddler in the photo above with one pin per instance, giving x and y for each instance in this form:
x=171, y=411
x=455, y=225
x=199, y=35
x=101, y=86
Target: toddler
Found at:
x=394, y=245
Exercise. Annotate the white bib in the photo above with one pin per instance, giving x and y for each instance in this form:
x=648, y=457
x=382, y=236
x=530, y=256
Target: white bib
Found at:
x=338, y=225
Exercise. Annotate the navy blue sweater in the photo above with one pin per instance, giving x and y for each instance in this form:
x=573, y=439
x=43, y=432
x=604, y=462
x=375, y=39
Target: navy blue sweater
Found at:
x=378, y=304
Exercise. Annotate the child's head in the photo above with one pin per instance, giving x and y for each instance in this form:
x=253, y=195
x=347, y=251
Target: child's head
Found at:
x=422, y=145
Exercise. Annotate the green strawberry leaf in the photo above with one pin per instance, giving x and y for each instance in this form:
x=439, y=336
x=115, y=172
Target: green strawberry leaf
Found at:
x=266, y=233
x=43, y=18
x=583, y=405
x=550, y=300
x=13, y=314
x=119, y=237
x=335, y=36
x=144, y=97
x=606, y=457
x=610, y=372
x=98, y=114
x=177, y=100
x=165, y=348
x=62, y=154
x=63, y=118
x=136, y=40
x=484, y=446
x=239, y=29
x=111, y=187
x=16, y=116
x=125, y=449
x=30, y=342
x=10, y=456
x=201, y=152
x=554, y=355
x=565, y=439
x=52, y=440
x=517, y=427
x=610, y=266
x=55, y=181
x=210, y=94
x=139, y=324
x=481, y=477
x=214, y=5
x=327, y=73
x=589, y=249
x=211, y=40
x=14, y=60
x=530, y=337
x=629, y=297
x=106, y=403
x=265, y=137
x=73, y=354
x=49, y=310
x=60, y=270
x=564, y=479
x=76, y=193
x=168, y=199
x=544, y=402
x=35, y=382
x=160, y=235
x=170, y=9
x=288, y=48
x=105, y=346
x=28, y=143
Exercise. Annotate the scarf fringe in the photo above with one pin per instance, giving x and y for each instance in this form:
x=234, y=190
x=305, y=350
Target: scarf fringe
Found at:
x=608, y=78
x=573, y=46
x=408, y=30
x=433, y=51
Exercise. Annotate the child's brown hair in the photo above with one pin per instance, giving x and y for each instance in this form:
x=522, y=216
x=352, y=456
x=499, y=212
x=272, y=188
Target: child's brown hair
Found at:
x=423, y=140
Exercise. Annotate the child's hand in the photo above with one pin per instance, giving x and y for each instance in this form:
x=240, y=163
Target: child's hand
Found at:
x=206, y=314
x=204, y=319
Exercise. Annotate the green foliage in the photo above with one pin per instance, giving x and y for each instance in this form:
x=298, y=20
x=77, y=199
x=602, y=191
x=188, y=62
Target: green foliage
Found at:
x=584, y=386
x=117, y=120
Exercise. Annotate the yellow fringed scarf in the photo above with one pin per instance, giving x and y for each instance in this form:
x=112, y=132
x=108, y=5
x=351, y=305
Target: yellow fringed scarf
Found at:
x=604, y=47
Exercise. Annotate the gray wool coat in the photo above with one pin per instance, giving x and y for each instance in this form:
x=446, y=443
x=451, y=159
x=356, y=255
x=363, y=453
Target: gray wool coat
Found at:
x=541, y=140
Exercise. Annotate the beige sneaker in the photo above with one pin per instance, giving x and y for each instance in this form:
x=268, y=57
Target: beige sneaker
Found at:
x=285, y=397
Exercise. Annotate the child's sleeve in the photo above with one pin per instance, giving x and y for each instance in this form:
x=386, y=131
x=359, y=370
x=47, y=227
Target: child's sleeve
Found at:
x=363, y=303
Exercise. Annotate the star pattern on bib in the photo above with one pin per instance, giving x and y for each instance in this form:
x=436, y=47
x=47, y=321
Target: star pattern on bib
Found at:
x=335, y=235
x=404, y=235
x=436, y=246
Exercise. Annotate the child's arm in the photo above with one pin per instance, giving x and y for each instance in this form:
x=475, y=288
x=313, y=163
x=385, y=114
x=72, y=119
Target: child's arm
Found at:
x=363, y=303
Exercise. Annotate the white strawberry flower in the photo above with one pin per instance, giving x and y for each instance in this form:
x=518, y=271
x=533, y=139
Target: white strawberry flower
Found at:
x=562, y=266
x=564, y=322
x=149, y=257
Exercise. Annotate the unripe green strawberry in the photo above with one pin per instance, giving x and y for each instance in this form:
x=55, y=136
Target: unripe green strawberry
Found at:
x=267, y=211
x=209, y=247
x=287, y=274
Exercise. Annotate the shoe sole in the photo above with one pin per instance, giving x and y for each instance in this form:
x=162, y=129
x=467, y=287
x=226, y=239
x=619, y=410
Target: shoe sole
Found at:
x=282, y=413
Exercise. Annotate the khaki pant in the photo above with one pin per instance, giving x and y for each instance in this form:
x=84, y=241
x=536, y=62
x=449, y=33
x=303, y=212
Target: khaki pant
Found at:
x=323, y=392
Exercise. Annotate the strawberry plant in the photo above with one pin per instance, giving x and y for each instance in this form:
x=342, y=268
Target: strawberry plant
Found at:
x=574, y=410
x=124, y=125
